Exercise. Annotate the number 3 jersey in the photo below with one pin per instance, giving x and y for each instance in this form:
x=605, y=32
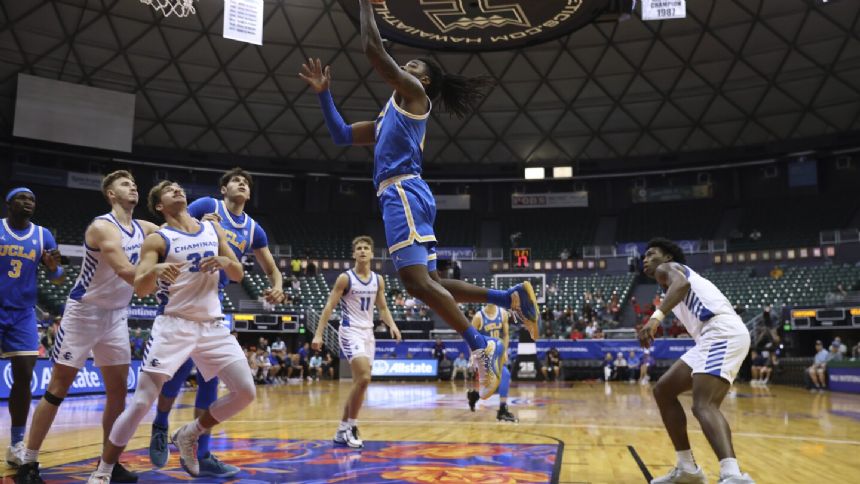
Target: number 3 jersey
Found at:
x=357, y=302
x=98, y=284
x=194, y=295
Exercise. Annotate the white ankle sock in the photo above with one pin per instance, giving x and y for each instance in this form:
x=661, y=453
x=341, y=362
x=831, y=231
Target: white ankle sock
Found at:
x=686, y=462
x=352, y=422
x=729, y=467
x=105, y=468
x=343, y=426
x=30, y=456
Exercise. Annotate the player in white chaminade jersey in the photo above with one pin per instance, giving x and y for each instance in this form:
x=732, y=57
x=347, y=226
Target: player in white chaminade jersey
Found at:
x=182, y=260
x=95, y=319
x=358, y=291
x=709, y=368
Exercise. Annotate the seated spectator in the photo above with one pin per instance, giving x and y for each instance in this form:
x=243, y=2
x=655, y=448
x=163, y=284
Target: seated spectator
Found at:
x=279, y=345
x=315, y=366
x=677, y=329
x=136, y=342
x=461, y=365
x=598, y=334
x=328, y=365
x=296, y=368
x=620, y=367
x=608, y=367
x=439, y=350
x=274, y=368
x=576, y=334
x=445, y=368
x=251, y=355
x=590, y=330
x=819, y=365
x=644, y=364
x=633, y=366
x=552, y=364
x=263, y=366
x=776, y=273
x=760, y=369
x=855, y=352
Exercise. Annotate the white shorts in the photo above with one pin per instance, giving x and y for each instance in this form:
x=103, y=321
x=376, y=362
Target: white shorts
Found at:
x=174, y=340
x=87, y=329
x=720, y=349
x=356, y=343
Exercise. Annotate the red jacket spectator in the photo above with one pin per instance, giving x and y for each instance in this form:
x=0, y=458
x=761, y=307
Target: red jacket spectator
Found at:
x=677, y=329
x=576, y=334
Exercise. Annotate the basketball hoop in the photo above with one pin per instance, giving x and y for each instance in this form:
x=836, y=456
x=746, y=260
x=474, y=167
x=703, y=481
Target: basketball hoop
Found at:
x=180, y=8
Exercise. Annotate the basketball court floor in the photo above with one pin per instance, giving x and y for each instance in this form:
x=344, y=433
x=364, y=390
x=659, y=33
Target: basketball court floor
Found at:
x=424, y=432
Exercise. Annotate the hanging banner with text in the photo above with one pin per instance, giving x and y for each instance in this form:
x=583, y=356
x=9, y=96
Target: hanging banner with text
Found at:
x=663, y=9
x=549, y=200
x=243, y=21
x=453, y=202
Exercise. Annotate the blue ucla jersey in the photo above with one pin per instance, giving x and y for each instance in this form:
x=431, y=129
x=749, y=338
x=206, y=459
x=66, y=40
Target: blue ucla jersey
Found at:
x=492, y=327
x=399, y=146
x=20, y=254
x=244, y=235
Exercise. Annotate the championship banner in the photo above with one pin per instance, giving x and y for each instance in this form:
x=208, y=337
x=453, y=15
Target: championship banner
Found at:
x=89, y=379
x=549, y=200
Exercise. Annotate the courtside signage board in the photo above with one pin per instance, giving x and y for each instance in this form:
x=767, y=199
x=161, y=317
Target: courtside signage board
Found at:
x=88, y=381
x=405, y=368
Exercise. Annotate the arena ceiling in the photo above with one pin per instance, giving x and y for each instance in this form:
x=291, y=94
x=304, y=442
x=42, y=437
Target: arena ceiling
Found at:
x=734, y=73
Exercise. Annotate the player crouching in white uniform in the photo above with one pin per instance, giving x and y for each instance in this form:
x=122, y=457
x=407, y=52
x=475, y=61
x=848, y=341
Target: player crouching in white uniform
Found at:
x=722, y=343
x=189, y=324
x=357, y=290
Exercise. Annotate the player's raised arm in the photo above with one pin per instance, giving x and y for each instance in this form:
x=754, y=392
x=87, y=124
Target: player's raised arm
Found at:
x=671, y=276
x=406, y=85
x=340, y=286
x=319, y=79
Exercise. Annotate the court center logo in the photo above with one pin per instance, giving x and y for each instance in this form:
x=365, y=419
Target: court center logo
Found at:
x=478, y=25
x=7, y=378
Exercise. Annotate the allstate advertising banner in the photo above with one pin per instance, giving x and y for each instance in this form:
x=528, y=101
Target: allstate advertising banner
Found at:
x=662, y=349
x=404, y=368
x=88, y=381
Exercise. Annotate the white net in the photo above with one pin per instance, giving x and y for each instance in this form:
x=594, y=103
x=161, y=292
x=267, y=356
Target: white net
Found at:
x=180, y=8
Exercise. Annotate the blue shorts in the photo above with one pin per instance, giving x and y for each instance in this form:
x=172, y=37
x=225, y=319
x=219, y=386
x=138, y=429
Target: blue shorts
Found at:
x=19, y=332
x=408, y=212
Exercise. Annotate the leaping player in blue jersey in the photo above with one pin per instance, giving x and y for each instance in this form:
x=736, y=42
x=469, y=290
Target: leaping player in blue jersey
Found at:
x=408, y=207
x=23, y=245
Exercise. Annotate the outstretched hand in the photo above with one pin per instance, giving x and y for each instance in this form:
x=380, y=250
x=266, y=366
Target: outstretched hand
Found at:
x=317, y=77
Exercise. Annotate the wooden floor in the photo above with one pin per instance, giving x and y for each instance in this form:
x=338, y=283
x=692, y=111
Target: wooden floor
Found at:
x=610, y=433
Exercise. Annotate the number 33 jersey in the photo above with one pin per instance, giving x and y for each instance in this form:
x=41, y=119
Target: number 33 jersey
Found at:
x=194, y=295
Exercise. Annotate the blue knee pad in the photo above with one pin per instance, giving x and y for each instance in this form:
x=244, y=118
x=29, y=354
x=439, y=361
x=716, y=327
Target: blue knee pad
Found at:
x=207, y=392
x=172, y=387
x=506, y=382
